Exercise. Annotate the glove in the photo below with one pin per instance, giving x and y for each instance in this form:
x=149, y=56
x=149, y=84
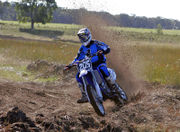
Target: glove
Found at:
x=100, y=52
x=67, y=67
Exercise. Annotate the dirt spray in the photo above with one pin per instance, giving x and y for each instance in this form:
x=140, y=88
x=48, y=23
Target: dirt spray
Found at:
x=120, y=57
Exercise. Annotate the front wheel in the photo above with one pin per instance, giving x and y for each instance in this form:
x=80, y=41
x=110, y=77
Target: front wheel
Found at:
x=95, y=101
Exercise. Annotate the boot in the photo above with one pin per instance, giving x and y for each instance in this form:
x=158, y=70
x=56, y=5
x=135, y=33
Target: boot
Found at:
x=115, y=87
x=84, y=98
x=122, y=93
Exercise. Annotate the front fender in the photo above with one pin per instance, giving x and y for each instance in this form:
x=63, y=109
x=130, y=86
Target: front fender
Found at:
x=83, y=73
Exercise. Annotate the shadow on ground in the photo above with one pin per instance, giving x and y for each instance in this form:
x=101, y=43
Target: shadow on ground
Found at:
x=45, y=33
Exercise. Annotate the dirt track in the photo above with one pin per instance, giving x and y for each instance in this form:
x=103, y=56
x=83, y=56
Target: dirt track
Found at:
x=53, y=107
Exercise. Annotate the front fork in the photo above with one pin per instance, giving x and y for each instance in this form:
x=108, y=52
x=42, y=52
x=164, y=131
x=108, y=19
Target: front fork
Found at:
x=85, y=83
x=94, y=84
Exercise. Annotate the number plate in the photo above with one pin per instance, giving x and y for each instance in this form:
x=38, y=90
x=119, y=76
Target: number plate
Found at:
x=85, y=65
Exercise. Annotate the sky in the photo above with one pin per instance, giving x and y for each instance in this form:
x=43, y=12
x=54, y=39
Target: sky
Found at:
x=150, y=8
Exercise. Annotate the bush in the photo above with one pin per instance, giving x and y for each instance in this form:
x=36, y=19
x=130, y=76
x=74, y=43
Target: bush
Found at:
x=159, y=29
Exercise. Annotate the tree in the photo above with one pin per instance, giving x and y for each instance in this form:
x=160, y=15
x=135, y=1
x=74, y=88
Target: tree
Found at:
x=35, y=11
x=1, y=9
x=159, y=29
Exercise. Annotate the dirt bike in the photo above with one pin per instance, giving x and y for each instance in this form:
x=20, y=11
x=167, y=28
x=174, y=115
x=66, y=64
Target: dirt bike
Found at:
x=96, y=87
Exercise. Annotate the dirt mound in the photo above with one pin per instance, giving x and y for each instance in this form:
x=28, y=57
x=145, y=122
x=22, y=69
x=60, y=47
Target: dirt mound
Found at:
x=16, y=120
x=78, y=123
x=38, y=65
x=46, y=69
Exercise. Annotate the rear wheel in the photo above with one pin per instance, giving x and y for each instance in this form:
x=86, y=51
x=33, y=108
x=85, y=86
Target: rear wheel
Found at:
x=95, y=101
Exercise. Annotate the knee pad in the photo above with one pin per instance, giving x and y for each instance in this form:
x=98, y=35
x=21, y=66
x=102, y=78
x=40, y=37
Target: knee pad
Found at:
x=112, y=77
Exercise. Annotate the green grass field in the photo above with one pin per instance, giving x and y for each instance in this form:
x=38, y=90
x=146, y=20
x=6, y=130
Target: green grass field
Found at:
x=67, y=32
x=142, y=30
x=159, y=56
x=47, y=32
x=32, y=50
x=161, y=62
x=15, y=55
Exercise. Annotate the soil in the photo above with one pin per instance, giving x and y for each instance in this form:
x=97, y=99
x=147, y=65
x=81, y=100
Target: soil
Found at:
x=30, y=106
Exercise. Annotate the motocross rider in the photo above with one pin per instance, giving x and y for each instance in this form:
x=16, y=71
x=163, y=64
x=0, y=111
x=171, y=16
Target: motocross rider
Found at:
x=90, y=46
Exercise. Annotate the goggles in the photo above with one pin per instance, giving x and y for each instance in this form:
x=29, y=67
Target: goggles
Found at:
x=83, y=37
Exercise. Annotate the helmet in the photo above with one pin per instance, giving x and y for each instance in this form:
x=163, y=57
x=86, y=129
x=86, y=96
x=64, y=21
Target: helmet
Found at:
x=84, y=36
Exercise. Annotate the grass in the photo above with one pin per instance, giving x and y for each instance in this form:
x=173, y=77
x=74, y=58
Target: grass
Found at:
x=71, y=28
x=142, y=30
x=67, y=32
x=158, y=54
x=32, y=50
x=15, y=55
x=13, y=72
x=161, y=63
x=141, y=34
x=48, y=32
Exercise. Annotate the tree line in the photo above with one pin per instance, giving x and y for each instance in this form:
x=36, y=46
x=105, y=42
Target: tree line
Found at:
x=47, y=11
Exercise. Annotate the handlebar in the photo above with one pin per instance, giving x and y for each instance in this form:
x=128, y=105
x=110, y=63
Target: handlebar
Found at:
x=90, y=56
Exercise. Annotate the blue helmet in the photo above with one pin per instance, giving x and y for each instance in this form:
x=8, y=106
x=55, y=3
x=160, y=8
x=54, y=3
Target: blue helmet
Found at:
x=84, y=36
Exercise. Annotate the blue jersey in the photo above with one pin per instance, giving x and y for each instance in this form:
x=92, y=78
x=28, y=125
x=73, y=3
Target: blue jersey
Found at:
x=93, y=48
